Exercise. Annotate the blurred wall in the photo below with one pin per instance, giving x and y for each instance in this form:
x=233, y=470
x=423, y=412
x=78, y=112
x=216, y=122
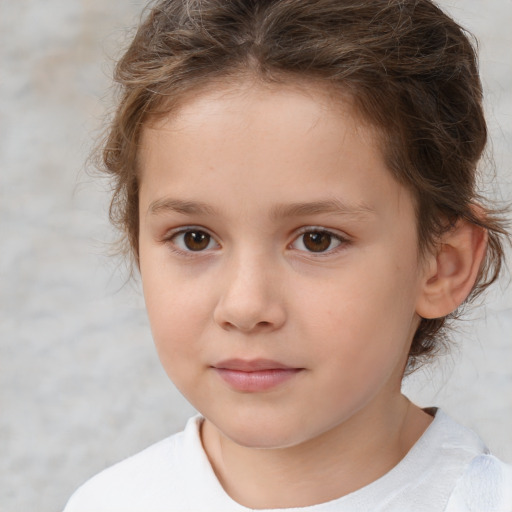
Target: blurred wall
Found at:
x=80, y=384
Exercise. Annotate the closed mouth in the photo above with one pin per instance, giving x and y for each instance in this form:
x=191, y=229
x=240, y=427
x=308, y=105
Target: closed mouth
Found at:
x=257, y=375
x=252, y=365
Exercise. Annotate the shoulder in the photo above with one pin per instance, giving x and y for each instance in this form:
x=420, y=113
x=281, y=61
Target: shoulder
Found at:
x=486, y=484
x=148, y=479
x=456, y=471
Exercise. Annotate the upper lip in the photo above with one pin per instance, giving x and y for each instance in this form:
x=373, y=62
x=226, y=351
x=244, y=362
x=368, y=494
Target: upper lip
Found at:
x=252, y=365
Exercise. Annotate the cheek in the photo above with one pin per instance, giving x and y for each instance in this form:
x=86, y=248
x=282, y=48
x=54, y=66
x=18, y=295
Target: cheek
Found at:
x=359, y=348
x=174, y=316
x=176, y=335
x=362, y=318
x=178, y=310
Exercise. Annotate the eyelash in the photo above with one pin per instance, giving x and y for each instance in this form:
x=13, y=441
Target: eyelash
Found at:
x=170, y=239
x=342, y=241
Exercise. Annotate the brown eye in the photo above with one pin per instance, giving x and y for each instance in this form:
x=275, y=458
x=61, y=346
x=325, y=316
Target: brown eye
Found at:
x=317, y=241
x=196, y=240
x=193, y=240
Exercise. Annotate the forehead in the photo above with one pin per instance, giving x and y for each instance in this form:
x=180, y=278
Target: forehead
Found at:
x=299, y=95
x=292, y=108
x=286, y=138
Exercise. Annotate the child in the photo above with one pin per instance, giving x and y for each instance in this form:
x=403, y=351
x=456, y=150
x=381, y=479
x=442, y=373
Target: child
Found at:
x=296, y=181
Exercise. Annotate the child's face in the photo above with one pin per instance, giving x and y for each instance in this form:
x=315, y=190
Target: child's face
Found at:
x=279, y=263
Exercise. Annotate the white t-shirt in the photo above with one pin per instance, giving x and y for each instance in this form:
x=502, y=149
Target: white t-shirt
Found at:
x=448, y=469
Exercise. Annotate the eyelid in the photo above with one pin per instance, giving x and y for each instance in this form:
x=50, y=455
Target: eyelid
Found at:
x=343, y=238
x=173, y=233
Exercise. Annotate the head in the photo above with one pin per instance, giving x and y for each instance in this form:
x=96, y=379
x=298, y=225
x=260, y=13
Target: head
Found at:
x=408, y=71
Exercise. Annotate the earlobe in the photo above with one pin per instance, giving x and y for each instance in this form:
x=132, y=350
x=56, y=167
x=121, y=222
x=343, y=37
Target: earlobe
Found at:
x=452, y=270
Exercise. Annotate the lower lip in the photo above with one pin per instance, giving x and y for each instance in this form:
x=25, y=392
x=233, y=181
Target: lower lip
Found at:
x=257, y=381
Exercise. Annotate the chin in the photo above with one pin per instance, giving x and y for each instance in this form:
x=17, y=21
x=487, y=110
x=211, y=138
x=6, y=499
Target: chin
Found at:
x=262, y=442
x=270, y=434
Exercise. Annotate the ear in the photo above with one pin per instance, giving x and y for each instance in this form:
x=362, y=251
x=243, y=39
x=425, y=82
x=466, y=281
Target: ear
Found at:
x=451, y=271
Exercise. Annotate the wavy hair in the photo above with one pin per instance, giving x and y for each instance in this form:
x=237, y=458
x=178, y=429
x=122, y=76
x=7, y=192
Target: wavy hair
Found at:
x=410, y=70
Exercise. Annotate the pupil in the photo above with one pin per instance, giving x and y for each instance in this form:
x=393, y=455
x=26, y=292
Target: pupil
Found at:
x=317, y=242
x=196, y=240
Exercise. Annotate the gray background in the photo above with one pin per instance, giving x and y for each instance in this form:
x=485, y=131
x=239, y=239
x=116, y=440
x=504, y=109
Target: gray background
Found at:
x=80, y=384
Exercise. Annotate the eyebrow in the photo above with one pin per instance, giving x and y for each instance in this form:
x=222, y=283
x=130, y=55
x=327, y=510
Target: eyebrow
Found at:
x=180, y=206
x=331, y=206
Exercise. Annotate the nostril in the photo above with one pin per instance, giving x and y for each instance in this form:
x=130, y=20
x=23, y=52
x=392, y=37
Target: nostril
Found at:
x=248, y=326
x=248, y=312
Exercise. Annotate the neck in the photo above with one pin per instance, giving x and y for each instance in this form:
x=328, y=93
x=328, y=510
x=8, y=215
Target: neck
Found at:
x=336, y=463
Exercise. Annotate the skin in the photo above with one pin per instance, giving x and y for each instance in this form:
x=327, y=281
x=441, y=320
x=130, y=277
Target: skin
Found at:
x=344, y=316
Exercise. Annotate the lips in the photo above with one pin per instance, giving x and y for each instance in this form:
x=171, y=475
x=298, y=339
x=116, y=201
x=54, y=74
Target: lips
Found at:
x=257, y=375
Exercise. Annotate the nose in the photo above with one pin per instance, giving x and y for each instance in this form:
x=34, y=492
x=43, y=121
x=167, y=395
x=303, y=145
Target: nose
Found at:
x=252, y=299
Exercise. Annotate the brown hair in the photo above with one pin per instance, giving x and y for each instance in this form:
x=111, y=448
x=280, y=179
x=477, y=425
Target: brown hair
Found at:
x=409, y=68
